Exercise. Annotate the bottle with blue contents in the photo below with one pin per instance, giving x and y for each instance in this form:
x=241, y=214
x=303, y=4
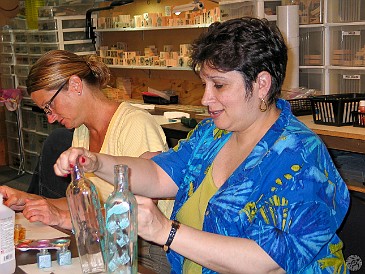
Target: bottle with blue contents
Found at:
x=121, y=225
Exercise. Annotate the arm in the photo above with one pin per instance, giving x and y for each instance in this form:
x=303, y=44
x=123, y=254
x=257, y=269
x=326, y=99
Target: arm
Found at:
x=48, y=211
x=15, y=199
x=222, y=254
x=146, y=178
x=36, y=208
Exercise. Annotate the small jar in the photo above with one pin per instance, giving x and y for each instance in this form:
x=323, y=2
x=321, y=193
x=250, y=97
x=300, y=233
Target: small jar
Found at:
x=64, y=256
x=362, y=106
x=44, y=259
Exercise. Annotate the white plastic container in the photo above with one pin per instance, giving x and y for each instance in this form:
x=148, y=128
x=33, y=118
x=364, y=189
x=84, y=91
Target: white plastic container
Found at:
x=7, y=249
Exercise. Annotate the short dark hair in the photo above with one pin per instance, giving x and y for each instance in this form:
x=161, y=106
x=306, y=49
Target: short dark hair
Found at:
x=247, y=45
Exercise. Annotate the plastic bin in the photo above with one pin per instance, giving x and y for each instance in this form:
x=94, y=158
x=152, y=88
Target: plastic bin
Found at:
x=14, y=160
x=13, y=145
x=42, y=125
x=10, y=116
x=20, y=48
x=30, y=161
x=22, y=59
x=33, y=36
x=312, y=78
x=7, y=81
x=75, y=35
x=39, y=139
x=311, y=46
x=7, y=37
x=347, y=46
x=29, y=140
x=6, y=69
x=335, y=110
x=236, y=10
x=347, y=81
x=21, y=81
x=20, y=37
x=87, y=47
x=28, y=118
x=47, y=24
x=34, y=49
x=346, y=11
x=49, y=37
x=6, y=47
x=21, y=70
x=33, y=58
x=6, y=58
x=74, y=23
x=11, y=129
x=46, y=48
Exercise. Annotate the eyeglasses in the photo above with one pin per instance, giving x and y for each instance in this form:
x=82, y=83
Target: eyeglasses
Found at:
x=47, y=107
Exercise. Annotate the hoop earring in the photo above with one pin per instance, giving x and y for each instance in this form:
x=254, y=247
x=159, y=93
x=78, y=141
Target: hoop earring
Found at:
x=263, y=105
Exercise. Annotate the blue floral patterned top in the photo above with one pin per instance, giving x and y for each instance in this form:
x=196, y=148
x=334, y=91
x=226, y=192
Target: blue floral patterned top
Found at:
x=287, y=195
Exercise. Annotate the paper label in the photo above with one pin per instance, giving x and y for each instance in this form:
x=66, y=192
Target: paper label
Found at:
x=7, y=250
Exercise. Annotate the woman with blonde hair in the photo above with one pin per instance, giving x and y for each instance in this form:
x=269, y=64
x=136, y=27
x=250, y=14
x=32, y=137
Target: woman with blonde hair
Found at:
x=68, y=88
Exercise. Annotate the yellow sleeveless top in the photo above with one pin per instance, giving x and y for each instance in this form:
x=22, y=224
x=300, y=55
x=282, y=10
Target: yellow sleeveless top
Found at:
x=193, y=211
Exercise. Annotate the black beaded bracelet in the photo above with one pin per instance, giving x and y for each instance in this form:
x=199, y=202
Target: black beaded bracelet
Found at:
x=175, y=225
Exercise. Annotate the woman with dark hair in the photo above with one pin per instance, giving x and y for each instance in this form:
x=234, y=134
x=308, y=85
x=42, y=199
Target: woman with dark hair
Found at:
x=255, y=190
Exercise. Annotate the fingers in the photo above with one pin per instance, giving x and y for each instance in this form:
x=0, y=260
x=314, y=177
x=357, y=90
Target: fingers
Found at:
x=67, y=160
x=151, y=221
x=13, y=198
x=41, y=210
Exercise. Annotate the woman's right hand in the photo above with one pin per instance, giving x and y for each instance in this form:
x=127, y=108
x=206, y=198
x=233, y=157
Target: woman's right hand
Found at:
x=42, y=210
x=67, y=160
x=15, y=199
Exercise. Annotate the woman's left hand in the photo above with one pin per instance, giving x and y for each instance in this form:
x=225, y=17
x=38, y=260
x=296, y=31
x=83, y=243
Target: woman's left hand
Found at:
x=152, y=224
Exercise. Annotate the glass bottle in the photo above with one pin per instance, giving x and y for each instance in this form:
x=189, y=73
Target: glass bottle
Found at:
x=121, y=225
x=44, y=258
x=87, y=221
x=64, y=256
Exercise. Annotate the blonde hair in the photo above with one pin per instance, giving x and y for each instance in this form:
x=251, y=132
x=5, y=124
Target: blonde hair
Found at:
x=56, y=67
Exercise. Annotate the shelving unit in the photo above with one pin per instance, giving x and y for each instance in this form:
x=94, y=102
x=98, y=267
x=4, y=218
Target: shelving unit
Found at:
x=20, y=49
x=336, y=49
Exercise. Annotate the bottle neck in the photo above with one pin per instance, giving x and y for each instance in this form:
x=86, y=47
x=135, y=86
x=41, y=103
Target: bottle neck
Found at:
x=121, y=178
x=76, y=173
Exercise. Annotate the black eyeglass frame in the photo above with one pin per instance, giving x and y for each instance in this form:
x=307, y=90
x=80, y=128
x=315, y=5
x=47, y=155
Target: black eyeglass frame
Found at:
x=47, y=107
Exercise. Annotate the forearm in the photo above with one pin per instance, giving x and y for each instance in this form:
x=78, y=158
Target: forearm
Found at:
x=145, y=177
x=61, y=203
x=223, y=254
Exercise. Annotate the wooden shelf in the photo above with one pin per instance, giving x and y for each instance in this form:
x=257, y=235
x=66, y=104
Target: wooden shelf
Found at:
x=153, y=28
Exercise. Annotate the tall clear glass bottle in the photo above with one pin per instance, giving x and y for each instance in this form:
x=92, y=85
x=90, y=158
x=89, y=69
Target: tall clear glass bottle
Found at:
x=121, y=225
x=87, y=221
